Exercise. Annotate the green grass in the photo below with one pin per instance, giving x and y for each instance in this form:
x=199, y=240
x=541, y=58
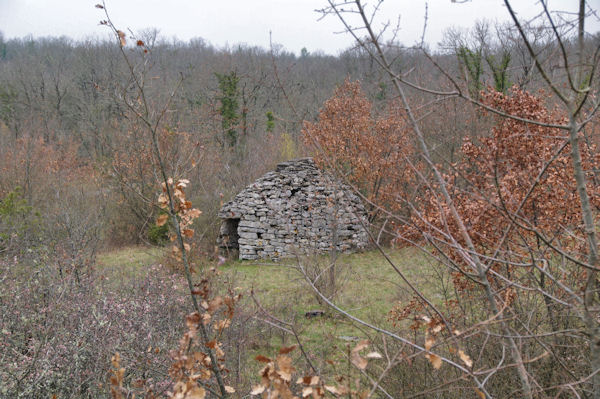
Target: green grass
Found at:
x=127, y=263
x=367, y=287
x=370, y=264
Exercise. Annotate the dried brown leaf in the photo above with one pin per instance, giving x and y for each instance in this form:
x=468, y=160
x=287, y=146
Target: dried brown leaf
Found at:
x=163, y=201
x=374, y=355
x=214, y=305
x=229, y=389
x=194, y=213
x=162, y=219
x=435, y=360
x=257, y=390
x=360, y=346
x=359, y=361
x=285, y=367
x=189, y=233
x=333, y=389
x=429, y=342
x=122, y=40
x=286, y=350
x=192, y=320
x=182, y=182
x=212, y=344
x=196, y=393
x=222, y=324
x=465, y=358
x=262, y=359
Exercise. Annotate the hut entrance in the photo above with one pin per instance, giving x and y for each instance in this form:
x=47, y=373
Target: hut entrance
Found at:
x=229, y=234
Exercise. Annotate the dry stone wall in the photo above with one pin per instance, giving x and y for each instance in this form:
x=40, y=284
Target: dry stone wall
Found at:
x=297, y=208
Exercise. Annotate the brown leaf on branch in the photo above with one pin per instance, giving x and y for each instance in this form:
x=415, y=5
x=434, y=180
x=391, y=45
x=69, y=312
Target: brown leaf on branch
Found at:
x=368, y=149
x=465, y=358
x=181, y=183
x=189, y=233
x=429, y=342
x=257, y=390
x=122, y=40
x=435, y=360
x=211, y=344
x=194, y=213
x=162, y=219
x=229, y=389
x=163, y=201
x=195, y=393
x=285, y=367
x=214, y=305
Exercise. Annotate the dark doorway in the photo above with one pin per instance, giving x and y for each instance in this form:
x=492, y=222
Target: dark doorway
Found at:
x=229, y=234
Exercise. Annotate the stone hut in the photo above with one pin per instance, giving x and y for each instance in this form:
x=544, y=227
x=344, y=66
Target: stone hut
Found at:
x=298, y=208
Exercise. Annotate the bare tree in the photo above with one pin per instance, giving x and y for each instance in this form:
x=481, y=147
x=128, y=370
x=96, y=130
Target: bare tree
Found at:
x=524, y=262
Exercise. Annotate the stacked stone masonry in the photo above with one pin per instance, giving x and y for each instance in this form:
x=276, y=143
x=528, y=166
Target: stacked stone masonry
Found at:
x=296, y=209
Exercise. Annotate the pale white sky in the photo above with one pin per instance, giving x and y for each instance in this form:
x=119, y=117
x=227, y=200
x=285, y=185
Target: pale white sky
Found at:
x=293, y=22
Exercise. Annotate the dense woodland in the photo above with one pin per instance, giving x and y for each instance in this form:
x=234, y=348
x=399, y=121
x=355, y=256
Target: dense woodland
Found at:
x=479, y=158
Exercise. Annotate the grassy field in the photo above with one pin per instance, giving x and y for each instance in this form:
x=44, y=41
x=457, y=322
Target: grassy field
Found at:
x=366, y=286
x=127, y=263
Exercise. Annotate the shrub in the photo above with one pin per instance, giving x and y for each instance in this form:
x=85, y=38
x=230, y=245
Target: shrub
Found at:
x=57, y=335
x=19, y=222
x=158, y=235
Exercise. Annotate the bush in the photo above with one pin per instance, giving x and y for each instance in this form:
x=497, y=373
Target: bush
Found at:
x=19, y=223
x=158, y=235
x=57, y=335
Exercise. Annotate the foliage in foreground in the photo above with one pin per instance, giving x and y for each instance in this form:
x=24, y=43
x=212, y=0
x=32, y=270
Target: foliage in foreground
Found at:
x=57, y=334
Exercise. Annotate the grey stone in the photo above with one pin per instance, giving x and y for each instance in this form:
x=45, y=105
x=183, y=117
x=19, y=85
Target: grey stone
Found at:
x=248, y=223
x=295, y=209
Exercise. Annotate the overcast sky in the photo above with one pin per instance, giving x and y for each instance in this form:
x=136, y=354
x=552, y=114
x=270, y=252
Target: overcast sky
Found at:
x=293, y=23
